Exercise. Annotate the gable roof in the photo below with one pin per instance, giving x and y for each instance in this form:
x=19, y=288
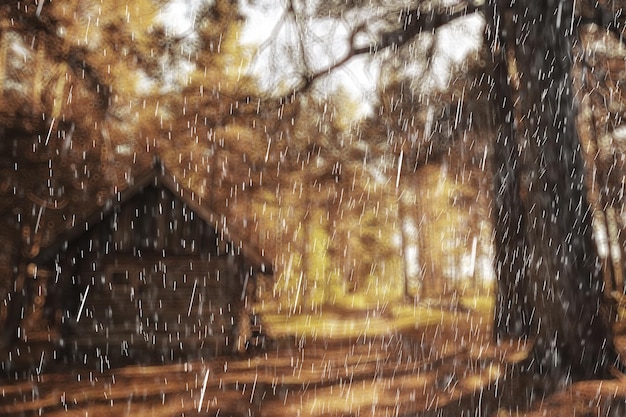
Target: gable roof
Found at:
x=158, y=176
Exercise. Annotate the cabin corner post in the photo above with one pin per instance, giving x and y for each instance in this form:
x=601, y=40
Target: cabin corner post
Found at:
x=247, y=330
x=241, y=326
x=33, y=282
x=27, y=248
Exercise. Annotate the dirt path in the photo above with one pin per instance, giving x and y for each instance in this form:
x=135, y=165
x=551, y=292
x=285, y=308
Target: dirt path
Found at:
x=434, y=371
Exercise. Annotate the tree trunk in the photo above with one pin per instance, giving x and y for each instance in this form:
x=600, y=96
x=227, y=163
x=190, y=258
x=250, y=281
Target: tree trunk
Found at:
x=512, y=311
x=574, y=339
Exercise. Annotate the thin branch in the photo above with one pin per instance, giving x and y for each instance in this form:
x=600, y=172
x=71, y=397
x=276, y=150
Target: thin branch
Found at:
x=605, y=19
x=414, y=23
x=274, y=34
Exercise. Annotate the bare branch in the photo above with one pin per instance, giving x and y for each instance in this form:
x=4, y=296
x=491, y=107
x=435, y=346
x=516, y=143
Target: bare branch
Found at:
x=416, y=21
x=598, y=14
x=413, y=23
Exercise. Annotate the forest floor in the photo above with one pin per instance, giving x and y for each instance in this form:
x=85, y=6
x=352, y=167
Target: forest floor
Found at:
x=431, y=358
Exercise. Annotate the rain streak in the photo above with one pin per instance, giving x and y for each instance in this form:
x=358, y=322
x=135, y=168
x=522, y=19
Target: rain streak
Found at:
x=312, y=208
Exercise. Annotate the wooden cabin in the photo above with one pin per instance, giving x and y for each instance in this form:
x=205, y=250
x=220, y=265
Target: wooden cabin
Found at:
x=150, y=278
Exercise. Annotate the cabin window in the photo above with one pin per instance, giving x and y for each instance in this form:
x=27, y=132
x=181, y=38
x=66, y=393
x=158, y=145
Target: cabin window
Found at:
x=123, y=274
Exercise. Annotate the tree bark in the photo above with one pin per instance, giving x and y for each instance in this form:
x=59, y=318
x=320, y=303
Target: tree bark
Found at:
x=512, y=310
x=574, y=339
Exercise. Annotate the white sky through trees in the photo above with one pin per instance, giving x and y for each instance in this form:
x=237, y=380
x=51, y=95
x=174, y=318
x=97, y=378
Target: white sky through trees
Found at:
x=326, y=42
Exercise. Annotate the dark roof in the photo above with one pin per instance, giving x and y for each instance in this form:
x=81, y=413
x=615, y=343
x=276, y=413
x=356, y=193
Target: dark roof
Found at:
x=158, y=176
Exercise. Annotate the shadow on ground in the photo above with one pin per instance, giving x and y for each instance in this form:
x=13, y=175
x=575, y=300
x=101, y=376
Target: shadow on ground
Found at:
x=445, y=368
